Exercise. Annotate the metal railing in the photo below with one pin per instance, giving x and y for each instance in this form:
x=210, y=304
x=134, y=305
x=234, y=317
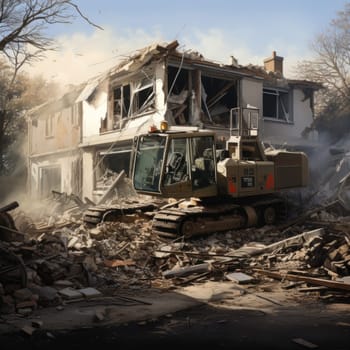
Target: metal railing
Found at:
x=244, y=121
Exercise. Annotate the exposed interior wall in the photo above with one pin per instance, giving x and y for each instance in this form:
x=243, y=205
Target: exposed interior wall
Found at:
x=200, y=97
x=219, y=96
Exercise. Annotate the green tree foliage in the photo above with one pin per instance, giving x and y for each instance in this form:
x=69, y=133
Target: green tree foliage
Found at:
x=17, y=95
x=331, y=67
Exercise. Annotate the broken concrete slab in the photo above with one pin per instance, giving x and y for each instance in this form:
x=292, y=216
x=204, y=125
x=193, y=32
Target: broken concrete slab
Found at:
x=239, y=277
x=70, y=293
x=89, y=292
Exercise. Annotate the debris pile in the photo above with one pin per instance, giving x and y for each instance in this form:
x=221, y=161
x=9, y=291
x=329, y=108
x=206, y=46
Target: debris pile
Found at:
x=67, y=260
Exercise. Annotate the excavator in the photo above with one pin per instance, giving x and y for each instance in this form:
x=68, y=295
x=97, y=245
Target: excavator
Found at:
x=215, y=186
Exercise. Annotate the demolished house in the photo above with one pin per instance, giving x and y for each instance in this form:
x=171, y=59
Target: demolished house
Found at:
x=81, y=145
x=76, y=144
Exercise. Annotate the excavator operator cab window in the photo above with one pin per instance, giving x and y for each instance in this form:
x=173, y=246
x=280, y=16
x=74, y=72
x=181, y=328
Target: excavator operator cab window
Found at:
x=203, y=166
x=148, y=163
x=176, y=168
x=191, y=159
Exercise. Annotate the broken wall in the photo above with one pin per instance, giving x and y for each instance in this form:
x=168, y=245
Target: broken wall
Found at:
x=93, y=113
x=59, y=172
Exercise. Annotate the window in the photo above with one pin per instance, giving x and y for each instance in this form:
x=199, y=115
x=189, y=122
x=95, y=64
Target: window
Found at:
x=49, y=126
x=75, y=113
x=144, y=96
x=121, y=105
x=276, y=105
x=131, y=100
x=219, y=96
x=49, y=180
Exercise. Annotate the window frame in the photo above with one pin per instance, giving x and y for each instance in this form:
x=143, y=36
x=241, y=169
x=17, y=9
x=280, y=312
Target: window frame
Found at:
x=49, y=126
x=283, y=113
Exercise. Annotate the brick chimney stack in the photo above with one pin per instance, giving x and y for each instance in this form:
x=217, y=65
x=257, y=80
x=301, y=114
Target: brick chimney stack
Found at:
x=274, y=64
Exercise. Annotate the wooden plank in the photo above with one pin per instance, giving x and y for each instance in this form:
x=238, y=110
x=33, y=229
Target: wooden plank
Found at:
x=311, y=280
x=187, y=270
x=305, y=343
x=112, y=186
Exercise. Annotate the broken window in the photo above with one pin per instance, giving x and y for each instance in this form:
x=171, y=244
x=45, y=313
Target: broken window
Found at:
x=121, y=105
x=276, y=105
x=50, y=180
x=143, y=96
x=131, y=100
x=116, y=160
x=110, y=162
x=219, y=96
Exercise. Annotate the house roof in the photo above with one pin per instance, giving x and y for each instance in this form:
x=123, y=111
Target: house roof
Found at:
x=56, y=105
x=148, y=53
x=275, y=78
x=156, y=50
x=142, y=57
x=75, y=93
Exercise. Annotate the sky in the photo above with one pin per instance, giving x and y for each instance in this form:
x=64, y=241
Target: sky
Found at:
x=247, y=29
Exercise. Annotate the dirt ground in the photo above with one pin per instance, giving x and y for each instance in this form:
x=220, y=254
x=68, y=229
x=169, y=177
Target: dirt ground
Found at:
x=219, y=315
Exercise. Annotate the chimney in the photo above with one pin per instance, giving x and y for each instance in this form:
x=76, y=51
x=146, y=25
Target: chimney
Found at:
x=274, y=64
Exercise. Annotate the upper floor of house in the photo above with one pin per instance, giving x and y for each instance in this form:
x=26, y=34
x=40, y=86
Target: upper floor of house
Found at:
x=162, y=83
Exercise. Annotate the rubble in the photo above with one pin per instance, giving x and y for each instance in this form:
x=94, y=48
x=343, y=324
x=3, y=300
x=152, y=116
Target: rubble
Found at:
x=64, y=260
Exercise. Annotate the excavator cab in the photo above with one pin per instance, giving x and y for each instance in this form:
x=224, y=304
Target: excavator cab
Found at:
x=175, y=164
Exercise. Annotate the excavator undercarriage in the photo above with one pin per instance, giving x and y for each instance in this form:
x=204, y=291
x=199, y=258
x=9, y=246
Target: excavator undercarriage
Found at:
x=203, y=218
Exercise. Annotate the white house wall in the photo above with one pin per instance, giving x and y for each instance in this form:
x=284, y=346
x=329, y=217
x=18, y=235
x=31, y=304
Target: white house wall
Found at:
x=302, y=111
x=160, y=95
x=88, y=173
x=92, y=115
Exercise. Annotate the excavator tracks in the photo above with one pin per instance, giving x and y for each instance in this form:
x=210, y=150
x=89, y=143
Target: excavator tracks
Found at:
x=102, y=213
x=199, y=220
x=188, y=222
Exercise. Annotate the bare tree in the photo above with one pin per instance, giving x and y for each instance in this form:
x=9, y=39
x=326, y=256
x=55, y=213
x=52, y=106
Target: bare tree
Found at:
x=331, y=67
x=23, y=24
x=23, y=38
